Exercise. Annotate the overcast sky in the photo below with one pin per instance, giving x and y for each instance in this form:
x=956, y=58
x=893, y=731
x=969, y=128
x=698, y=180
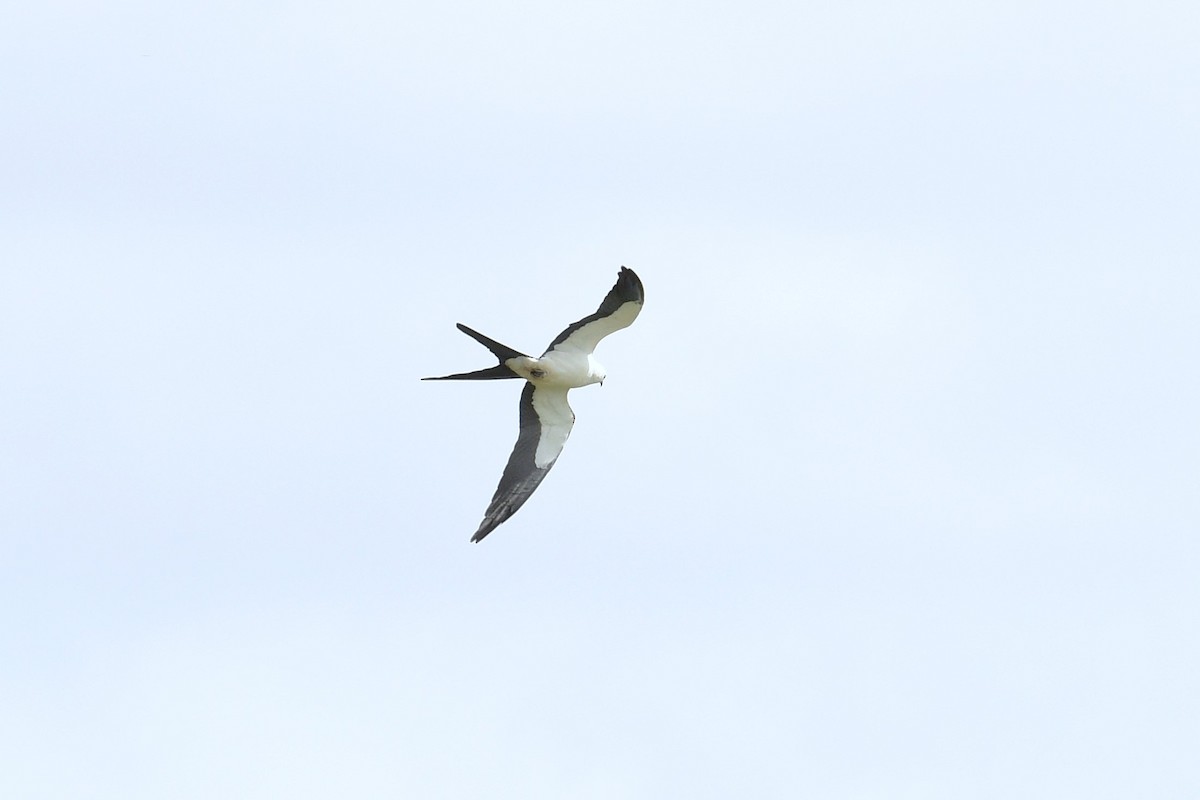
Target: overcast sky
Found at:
x=893, y=490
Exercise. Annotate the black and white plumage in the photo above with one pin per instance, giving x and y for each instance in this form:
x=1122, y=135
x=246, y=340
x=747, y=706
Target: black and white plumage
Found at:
x=546, y=417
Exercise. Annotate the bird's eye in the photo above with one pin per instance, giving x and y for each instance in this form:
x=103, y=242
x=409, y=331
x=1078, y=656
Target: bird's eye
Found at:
x=538, y=373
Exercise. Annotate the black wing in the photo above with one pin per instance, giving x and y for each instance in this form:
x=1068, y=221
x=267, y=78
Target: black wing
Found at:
x=620, y=308
x=546, y=422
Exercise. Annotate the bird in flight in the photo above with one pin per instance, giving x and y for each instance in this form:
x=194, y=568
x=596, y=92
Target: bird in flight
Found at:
x=546, y=418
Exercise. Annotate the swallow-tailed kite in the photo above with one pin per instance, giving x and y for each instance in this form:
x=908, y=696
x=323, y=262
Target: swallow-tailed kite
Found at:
x=546, y=418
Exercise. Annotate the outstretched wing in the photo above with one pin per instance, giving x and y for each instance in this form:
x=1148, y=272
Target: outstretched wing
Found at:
x=619, y=309
x=546, y=421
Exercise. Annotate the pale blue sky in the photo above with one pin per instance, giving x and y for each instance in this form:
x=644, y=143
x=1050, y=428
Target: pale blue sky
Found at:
x=893, y=490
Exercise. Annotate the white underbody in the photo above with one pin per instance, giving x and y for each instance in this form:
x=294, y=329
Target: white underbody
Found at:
x=553, y=375
x=560, y=368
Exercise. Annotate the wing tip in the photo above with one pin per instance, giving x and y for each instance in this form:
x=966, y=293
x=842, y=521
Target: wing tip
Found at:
x=629, y=286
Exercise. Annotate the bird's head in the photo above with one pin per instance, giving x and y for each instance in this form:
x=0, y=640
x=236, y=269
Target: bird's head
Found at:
x=596, y=372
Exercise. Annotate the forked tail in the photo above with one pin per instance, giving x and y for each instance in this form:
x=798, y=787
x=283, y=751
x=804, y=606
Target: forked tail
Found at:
x=498, y=372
